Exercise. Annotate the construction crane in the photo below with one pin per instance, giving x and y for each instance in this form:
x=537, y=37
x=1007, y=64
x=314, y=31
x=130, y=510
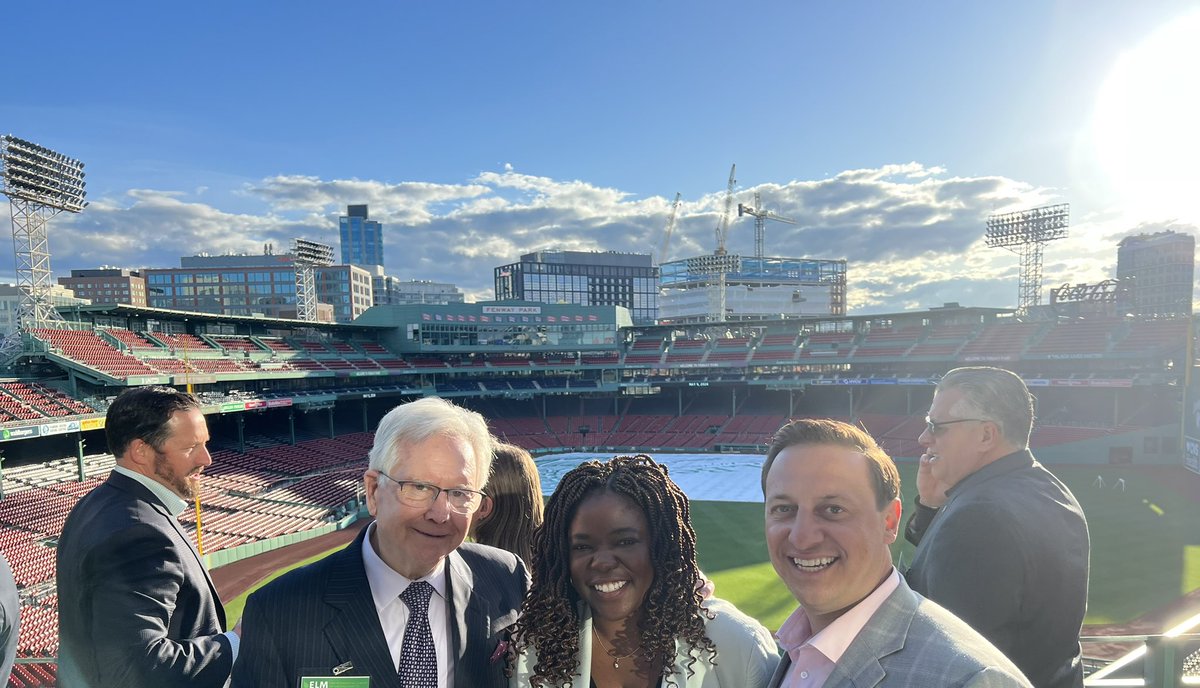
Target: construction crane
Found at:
x=760, y=222
x=666, y=240
x=723, y=223
x=719, y=264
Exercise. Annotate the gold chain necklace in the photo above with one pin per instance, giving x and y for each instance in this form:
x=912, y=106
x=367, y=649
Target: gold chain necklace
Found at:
x=613, y=653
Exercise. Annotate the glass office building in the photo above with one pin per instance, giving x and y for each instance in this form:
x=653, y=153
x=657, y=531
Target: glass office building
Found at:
x=583, y=278
x=361, y=237
x=255, y=285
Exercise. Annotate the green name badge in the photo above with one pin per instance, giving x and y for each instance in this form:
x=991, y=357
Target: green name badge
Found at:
x=335, y=682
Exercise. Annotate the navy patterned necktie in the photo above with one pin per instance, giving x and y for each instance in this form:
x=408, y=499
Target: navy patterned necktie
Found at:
x=418, y=662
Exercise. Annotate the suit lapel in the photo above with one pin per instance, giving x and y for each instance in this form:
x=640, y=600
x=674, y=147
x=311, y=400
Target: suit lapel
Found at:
x=139, y=491
x=354, y=631
x=884, y=635
x=460, y=580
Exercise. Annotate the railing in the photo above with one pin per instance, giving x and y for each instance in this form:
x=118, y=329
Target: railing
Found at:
x=1167, y=660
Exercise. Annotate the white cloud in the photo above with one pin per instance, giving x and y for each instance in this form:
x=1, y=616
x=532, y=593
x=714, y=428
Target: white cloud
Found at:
x=913, y=235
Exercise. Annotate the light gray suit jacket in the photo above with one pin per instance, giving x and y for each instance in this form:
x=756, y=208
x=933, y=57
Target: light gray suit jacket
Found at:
x=911, y=642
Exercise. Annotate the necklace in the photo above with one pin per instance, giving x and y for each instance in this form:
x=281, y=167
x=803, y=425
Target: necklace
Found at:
x=616, y=658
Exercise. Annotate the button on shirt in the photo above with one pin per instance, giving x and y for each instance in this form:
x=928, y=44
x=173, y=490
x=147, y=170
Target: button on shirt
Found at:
x=386, y=586
x=814, y=656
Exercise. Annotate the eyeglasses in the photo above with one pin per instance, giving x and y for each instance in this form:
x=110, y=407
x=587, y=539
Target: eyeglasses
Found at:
x=934, y=427
x=416, y=493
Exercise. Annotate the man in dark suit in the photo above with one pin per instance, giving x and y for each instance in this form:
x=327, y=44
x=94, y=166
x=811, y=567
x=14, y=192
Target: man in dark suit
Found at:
x=353, y=613
x=136, y=605
x=1001, y=542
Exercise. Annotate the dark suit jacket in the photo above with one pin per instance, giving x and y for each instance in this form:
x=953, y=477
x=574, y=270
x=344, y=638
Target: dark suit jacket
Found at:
x=1008, y=554
x=911, y=642
x=135, y=604
x=322, y=616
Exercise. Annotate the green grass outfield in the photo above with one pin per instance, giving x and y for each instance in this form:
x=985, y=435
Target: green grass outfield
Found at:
x=1145, y=545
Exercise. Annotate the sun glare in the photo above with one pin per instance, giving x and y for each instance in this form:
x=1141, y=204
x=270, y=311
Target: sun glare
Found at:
x=1146, y=126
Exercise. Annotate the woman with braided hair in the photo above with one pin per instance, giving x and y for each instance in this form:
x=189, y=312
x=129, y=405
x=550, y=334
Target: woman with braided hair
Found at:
x=616, y=598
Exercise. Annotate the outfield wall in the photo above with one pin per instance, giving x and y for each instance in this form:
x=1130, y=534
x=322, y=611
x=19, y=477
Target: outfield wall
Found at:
x=1137, y=448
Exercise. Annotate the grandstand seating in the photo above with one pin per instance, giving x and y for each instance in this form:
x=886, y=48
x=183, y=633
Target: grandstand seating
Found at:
x=1000, y=342
x=729, y=351
x=183, y=341
x=827, y=344
x=1076, y=338
x=374, y=350
x=1154, y=336
x=685, y=351
x=944, y=341
x=89, y=349
x=133, y=340
x=600, y=358
x=240, y=344
x=38, y=401
x=774, y=348
x=885, y=341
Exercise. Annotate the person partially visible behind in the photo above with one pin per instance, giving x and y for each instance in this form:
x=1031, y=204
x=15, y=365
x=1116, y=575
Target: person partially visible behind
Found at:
x=515, y=492
x=1001, y=541
x=10, y=620
x=832, y=511
x=616, y=598
x=136, y=605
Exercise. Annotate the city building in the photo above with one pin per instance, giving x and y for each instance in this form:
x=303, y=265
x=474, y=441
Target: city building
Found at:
x=583, y=278
x=1155, y=273
x=362, y=237
x=754, y=289
x=10, y=300
x=392, y=291
x=255, y=285
x=107, y=285
x=511, y=328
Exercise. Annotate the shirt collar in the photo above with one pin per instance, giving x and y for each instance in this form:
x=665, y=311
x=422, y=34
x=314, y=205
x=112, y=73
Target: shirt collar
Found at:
x=386, y=584
x=174, y=503
x=833, y=640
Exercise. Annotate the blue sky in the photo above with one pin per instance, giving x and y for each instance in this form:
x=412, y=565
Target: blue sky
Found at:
x=478, y=131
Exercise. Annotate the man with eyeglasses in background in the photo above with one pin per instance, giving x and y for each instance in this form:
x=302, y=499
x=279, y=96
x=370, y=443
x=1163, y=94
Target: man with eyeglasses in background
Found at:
x=407, y=603
x=1001, y=542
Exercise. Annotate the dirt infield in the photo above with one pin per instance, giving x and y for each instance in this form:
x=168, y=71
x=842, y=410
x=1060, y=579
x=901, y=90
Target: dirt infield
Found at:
x=236, y=578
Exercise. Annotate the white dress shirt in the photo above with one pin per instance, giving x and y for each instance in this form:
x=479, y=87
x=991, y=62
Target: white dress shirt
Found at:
x=386, y=586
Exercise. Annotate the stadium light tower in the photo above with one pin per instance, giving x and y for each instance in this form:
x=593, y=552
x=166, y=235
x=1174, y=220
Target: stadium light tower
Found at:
x=1025, y=233
x=308, y=255
x=40, y=184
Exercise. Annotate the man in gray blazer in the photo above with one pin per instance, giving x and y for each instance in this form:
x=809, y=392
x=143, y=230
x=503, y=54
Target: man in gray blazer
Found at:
x=832, y=511
x=355, y=612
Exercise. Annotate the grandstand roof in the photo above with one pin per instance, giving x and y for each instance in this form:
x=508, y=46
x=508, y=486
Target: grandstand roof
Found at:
x=120, y=310
x=948, y=313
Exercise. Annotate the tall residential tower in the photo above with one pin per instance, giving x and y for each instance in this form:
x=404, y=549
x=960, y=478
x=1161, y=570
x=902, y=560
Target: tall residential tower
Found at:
x=362, y=237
